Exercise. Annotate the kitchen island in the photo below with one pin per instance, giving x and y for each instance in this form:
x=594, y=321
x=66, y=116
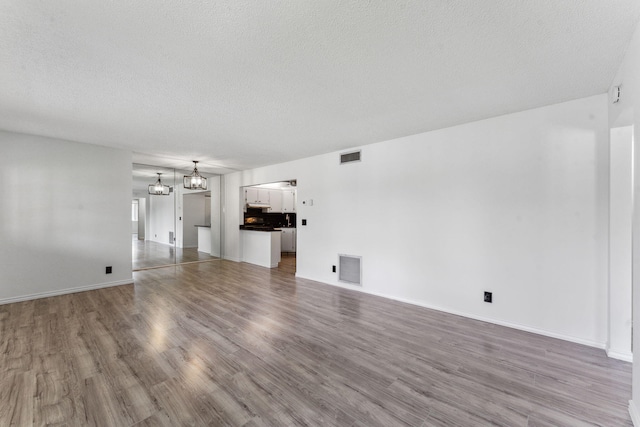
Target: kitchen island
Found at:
x=261, y=247
x=204, y=238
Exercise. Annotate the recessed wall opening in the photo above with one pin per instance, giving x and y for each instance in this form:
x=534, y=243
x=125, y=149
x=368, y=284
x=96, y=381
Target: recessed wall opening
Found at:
x=269, y=224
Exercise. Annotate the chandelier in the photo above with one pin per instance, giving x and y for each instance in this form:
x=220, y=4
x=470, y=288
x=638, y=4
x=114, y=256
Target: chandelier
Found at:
x=158, y=188
x=195, y=181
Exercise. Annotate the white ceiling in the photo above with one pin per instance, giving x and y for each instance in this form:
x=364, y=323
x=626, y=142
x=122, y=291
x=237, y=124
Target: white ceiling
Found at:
x=144, y=175
x=239, y=84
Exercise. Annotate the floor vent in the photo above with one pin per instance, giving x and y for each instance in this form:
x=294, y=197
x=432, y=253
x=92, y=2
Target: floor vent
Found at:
x=350, y=157
x=350, y=269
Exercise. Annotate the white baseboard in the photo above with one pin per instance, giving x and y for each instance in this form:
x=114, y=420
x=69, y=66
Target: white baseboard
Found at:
x=635, y=414
x=627, y=357
x=232, y=259
x=64, y=291
x=467, y=315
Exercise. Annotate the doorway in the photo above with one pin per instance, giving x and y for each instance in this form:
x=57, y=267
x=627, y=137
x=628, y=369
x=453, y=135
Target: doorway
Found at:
x=273, y=206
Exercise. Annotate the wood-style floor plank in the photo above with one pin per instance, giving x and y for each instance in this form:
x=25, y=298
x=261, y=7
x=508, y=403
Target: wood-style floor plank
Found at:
x=231, y=344
x=150, y=254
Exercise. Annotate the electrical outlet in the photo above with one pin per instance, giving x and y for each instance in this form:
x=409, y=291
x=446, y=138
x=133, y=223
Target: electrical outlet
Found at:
x=304, y=222
x=109, y=270
x=488, y=297
x=333, y=268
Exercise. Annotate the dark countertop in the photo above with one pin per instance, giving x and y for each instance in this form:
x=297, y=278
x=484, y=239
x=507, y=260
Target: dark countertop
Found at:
x=260, y=228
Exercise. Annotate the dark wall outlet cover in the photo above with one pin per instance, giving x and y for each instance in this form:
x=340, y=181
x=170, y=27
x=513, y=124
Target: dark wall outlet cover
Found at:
x=304, y=222
x=488, y=297
x=333, y=268
x=109, y=270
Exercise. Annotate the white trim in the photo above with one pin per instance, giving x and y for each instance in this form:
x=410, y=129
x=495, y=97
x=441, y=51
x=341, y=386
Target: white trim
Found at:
x=470, y=316
x=64, y=291
x=234, y=259
x=635, y=414
x=627, y=357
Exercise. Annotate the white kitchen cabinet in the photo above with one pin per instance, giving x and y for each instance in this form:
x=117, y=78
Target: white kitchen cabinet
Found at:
x=250, y=195
x=288, y=201
x=254, y=195
x=275, y=201
x=288, y=243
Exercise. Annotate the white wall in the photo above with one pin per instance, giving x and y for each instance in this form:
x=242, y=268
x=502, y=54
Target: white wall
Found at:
x=65, y=216
x=627, y=113
x=142, y=218
x=193, y=211
x=516, y=205
x=161, y=210
x=207, y=211
x=215, y=214
x=134, y=222
x=161, y=218
x=620, y=232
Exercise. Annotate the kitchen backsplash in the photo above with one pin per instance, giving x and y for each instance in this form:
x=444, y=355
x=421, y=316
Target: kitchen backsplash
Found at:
x=273, y=219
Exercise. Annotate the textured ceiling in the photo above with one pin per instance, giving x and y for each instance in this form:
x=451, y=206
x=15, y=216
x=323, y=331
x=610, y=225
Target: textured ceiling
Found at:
x=239, y=84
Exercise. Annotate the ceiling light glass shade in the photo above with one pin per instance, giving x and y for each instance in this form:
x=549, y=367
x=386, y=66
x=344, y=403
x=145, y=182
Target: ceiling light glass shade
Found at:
x=195, y=181
x=158, y=189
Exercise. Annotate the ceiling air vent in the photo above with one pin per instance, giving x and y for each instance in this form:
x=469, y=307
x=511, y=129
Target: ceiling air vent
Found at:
x=350, y=269
x=354, y=156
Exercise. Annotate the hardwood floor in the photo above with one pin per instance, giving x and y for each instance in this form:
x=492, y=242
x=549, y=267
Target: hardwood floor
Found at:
x=148, y=254
x=230, y=344
x=287, y=263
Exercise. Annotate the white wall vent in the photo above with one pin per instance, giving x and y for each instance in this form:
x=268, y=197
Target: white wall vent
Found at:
x=350, y=269
x=354, y=156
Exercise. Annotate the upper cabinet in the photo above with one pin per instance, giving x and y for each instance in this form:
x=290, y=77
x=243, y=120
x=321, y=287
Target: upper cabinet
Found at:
x=278, y=200
x=253, y=195
x=288, y=201
x=275, y=201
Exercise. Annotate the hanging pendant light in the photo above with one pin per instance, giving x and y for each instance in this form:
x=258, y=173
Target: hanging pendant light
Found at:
x=195, y=181
x=159, y=189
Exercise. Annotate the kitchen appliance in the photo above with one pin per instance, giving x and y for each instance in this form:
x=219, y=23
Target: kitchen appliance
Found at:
x=263, y=206
x=253, y=220
x=255, y=223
